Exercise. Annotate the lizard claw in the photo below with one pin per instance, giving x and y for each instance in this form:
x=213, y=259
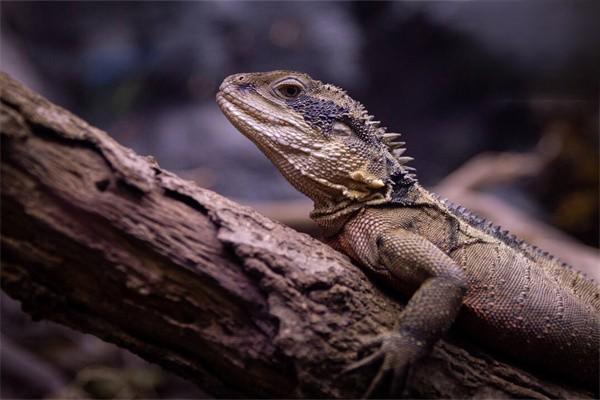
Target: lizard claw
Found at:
x=398, y=351
x=362, y=362
x=376, y=340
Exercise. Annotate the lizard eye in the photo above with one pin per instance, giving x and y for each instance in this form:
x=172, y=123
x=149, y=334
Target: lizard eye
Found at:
x=289, y=90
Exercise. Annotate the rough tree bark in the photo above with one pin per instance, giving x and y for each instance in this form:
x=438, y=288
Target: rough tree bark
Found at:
x=103, y=240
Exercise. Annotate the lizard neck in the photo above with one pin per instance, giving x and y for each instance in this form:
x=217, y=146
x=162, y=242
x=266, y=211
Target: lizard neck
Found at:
x=331, y=218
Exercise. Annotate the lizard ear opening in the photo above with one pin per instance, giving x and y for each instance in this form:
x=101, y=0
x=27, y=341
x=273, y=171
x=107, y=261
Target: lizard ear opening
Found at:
x=341, y=129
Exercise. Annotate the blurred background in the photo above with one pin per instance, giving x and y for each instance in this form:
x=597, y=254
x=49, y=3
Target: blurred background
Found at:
x=461, y=80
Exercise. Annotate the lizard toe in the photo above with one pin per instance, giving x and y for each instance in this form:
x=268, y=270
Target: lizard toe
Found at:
x=370, y=359
x=397, y=353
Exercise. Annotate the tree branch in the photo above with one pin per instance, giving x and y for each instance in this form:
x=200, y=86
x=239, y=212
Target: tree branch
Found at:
x=105, y=241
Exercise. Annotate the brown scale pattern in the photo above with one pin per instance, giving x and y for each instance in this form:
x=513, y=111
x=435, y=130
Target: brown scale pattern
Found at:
x=519, y=307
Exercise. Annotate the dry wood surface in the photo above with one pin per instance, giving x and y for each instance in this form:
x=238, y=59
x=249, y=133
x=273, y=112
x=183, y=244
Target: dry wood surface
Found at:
x=103, y=240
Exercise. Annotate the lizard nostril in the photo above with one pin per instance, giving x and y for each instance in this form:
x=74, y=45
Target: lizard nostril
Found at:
x=241, y=78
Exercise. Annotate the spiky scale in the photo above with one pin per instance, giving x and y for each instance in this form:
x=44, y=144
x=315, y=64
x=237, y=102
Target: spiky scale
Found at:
x=404, y=160
x=391, y=137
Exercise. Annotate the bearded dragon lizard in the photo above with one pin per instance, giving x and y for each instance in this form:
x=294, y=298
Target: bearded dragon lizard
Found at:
x=454, y=267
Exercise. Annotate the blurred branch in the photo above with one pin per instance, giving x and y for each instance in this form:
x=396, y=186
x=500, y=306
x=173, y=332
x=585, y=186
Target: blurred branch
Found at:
x=23, y=367
x=103, y=240
x=293, y=213
x=463, y=186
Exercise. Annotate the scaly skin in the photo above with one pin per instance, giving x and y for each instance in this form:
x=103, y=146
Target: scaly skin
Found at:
x=454, y=267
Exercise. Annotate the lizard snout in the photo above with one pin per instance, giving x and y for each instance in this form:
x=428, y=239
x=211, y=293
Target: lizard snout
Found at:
x=235, y=79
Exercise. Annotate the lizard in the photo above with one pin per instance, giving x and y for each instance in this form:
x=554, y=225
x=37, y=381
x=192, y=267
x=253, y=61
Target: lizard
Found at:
x=453, y=267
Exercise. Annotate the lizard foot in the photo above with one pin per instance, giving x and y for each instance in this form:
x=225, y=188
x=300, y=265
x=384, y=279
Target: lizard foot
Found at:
x=397, y=353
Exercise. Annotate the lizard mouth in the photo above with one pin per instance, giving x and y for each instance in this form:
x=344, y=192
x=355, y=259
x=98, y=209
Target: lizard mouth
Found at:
x=245, y=118
x=258, y=126
x=234, y=107
x=261, y=126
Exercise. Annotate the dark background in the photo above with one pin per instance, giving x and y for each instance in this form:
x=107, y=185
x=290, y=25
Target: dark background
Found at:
x=457, y=78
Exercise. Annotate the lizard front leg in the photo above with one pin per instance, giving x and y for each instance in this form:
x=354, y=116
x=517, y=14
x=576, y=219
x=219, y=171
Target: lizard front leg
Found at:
x=439, y=286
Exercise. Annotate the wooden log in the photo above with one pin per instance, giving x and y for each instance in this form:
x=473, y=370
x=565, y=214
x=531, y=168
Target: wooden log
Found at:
x=105, y=241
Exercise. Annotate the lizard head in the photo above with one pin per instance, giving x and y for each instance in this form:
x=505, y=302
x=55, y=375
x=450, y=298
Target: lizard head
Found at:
x=324, y=142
